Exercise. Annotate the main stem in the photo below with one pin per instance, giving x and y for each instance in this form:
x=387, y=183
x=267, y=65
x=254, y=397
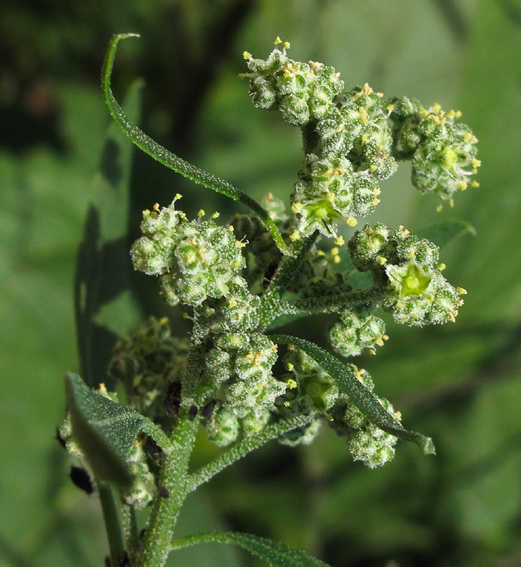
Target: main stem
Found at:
x=163, y=517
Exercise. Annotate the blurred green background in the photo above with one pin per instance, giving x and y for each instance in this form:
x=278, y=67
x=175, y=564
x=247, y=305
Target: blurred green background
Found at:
x=460, y=384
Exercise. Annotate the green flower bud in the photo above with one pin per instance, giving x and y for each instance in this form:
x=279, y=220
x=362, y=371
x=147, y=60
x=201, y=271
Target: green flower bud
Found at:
x=355, y=332
x=222, y=427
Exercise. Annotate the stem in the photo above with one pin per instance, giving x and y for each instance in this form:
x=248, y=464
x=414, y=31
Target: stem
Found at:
x=129, y=524
x=359, y=300
x=169, y=159
x=112, y=526
x=208, y=471
x=286, y=271
x=163, y=517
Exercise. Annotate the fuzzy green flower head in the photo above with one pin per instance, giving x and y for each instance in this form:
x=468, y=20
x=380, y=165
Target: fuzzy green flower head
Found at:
x=196, y=259
x=301, y=91
x=366, y=442
x=368, y=246
x=443, y=151
x=356, y=332
x=242, y=365
x=418, y=297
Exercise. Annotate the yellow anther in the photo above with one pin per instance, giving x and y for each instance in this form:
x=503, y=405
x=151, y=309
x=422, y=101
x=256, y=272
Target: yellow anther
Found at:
x=269, y=196
x=292, y=384
x=439, y=208
x=381, y=260
x=467, y=137
x=277, y=40
x=163, y=320
x=351, y=221
x=334, y=251
x=452, y=316
x=375, y=202
x=436, y=107
x=216, y=215
x=156, y=207
x=462, y=185
x=337, y=259
x=441, y=266
x=295, y=235
x=366, y=89
x=232, y=303
x=461, y=290
x=321, y=253
x=339, y=241
x=379, y=95
x=287, y=45
x=379, y=341
x=286, y=404
x=290, y=367
x=398, y=414
x=201, y=213
x=102, y=389
x=451, y=203
x=474, y=184
x=405, y=232
x=296, y=207
x=476, y=163
x=390, y=107
x=246, y=54
x=178, y=196
x=376, y=191
x=230, y=228
x=385, y=337
x=240, y=244
x=373, y=168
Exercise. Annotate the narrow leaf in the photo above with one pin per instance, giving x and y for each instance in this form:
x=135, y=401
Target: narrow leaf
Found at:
x=105, y=430
x=169, y=159
x=445, y=232
x=103, y=264
x=359, y=394
x=274, y=553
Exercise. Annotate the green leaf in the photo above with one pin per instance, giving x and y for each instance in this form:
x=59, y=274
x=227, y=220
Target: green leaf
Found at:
x=445, y=232
x=103, y=261
x=169, y=159
x=361, y=396
x=105, y=430
x=274, y=553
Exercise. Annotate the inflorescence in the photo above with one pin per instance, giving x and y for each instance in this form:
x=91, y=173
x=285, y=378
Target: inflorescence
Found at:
x=221, y=275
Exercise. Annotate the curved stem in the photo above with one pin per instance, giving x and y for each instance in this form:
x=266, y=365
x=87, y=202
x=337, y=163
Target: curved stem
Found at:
x=236, y=452
x=169, y=159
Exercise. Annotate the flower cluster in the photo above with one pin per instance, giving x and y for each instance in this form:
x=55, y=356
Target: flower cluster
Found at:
x=147, y=364
x=196, y=260
x=244, y=388
x=352, y=140
x=406, y=272
x=443, y=152
x=356, y=332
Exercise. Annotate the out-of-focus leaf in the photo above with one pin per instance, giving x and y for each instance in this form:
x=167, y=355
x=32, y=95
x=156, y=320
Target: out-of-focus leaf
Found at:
x=105, y=430
x=444, y=232
x=103, y=260
x=274, y=553
x=359, y=394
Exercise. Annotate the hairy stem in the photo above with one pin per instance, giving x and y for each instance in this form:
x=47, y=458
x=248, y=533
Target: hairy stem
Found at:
x=169, y=159
x=165, y=510
x=205, y=473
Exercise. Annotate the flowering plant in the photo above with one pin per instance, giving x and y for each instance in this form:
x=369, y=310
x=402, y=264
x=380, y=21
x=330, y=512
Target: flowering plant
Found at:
x=238, y=280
